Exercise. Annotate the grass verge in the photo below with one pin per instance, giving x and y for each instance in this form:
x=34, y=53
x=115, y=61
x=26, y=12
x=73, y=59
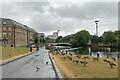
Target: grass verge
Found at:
x=9, y=52
x=98, y=69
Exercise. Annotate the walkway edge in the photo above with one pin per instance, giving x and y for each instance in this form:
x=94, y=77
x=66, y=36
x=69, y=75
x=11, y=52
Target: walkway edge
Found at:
x=11, y=60
x=57, y=72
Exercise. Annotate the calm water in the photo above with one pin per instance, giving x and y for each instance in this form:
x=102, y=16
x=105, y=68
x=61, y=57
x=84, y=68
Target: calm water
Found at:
x=103, y=51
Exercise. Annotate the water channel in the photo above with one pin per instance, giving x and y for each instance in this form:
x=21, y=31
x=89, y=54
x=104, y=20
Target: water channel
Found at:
x=103, y=51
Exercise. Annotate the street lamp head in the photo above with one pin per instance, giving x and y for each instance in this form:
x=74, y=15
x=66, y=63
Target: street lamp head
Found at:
x=96, y=21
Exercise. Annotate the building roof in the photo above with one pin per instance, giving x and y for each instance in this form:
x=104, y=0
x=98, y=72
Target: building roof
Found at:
x=7, y=21
x=71, y=35
x=41, y=33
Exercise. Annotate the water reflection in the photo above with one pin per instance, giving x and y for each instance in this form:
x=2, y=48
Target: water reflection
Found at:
x=103, y=51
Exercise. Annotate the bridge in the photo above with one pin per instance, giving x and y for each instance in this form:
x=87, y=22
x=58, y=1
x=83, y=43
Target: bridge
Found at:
x=54, y=44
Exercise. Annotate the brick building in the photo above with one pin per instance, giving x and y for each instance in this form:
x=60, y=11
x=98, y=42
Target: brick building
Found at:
x=71, y=37
x=15, y=33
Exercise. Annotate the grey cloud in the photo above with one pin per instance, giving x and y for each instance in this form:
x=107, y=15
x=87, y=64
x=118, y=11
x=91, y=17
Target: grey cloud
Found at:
x=89, y=10
x=44, y=17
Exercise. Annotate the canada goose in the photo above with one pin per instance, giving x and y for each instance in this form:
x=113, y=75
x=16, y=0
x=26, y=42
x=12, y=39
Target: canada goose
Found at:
x=86, y=58
x=37, y=68
x=95, y=59
x=47, y=63
x=84, y=62
x=106, y=61
x=112, y=64
x=113, y=58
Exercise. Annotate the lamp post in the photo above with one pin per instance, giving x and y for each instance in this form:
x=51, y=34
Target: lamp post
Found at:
x=58, y=41
x=96, y=21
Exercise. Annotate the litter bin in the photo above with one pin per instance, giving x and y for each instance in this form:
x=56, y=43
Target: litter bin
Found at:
x=30, y=49
x=11, y=45
x=98, y=55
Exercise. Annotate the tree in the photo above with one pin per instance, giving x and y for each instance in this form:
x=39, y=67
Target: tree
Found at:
x=40, y=40
x=81, y=38
x=36, y=40
x=43, y=40
x=48, y=40
x=58, y=39
x=64, y=39
x=94, y=39
x=100, y=39
x=109, y=37
x=117, y=42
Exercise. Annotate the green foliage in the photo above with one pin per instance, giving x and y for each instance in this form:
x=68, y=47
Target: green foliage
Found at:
x=36, y=40
x=109, y=37
x=94, y=39
x=64, y=39
x=42, y=40
x=48, y=40
x=81, y=38
x=58, y=39
x=117, y=42
x=100, y=39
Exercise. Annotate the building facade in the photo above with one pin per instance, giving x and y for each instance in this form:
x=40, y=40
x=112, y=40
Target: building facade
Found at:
x=54, y=36
x=41, y=35
x=14, y=33
x=71, y=37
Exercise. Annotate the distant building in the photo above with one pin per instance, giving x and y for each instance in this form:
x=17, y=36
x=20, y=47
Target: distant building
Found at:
x=15, y=33
x=71, y=37
x=41, y=35
x=50, y=36
x=54, y=36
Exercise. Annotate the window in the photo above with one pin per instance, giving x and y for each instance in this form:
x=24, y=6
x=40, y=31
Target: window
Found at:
x=9, y=41
x=4, y=35
x=19, y=30
x=4, y=42
x=30, y=37
x=0, y=34
x=9, y=28
x=4, y=28
x=4, y=22
x=9, y=35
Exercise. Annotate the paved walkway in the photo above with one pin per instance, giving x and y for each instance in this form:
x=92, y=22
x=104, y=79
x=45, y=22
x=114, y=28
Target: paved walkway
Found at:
x=26, y=67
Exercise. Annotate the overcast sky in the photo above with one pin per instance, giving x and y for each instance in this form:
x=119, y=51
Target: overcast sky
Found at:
x=68, y=17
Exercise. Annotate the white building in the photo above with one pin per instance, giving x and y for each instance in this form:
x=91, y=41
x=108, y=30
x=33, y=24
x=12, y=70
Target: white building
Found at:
x=54, y=36
x=50, y=36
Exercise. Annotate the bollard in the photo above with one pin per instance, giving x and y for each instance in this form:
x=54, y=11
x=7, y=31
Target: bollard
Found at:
x=98, y=55
x=66, y=52
x=62, y=51
x=107, y=56
x=90, y=54
x=118, y=56
x=30, y=49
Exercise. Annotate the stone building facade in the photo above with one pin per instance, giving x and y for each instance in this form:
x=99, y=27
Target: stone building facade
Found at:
x=14, y=33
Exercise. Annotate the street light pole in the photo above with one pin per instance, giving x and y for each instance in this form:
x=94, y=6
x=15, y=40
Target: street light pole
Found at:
x=96, y=21
x=58, y=41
